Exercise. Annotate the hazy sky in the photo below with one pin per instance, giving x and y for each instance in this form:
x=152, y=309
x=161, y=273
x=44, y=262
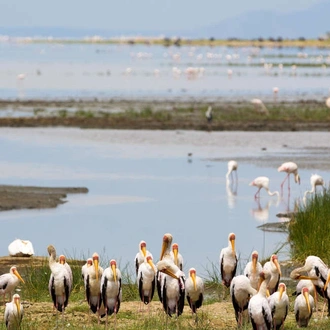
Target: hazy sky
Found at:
x=133, y=14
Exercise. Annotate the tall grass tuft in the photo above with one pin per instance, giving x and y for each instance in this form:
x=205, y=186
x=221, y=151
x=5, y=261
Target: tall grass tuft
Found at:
x=309, y=229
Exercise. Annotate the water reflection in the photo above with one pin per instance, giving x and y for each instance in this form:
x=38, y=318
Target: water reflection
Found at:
x=231, y=189
x=261, y=212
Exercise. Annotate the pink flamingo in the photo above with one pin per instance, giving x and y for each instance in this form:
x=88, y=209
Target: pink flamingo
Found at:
x=289, y=168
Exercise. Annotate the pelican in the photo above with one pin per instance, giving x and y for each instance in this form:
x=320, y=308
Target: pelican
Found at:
x=308, y=284
x=240, y=292
x=62, y=260
x=316, y=180
x=279, y=305
x=232, y=166
x=14, y=313
x=289, y=168
x=252, y=270
x=140, y=256
x=259, y=309
x=21, y=248
x=177, y=256
x=111, y=289
x=262, y=182
x=60, y=284
x=228, y=261
x=92, y=285
x=9, y=281
x=303, y=308
x=147, y=280
x=274, y=269
x=194, y=290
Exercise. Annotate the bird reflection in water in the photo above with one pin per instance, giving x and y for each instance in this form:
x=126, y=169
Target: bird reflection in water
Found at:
x=261, y=213
x=231, y=189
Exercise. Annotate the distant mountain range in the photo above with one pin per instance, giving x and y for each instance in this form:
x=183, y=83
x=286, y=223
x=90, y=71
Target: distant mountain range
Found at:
x=310, y=23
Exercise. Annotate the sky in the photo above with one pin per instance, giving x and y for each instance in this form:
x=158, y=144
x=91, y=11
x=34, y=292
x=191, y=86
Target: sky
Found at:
x=132, y=14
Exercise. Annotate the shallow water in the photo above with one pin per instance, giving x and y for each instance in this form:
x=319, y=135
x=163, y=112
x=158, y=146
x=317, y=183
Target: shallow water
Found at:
x=142, y=184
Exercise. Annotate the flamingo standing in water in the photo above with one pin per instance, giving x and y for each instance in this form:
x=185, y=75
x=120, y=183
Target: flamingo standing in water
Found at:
x=316, y=180
x=232, y=166
x=289, y=168
x=262, y=182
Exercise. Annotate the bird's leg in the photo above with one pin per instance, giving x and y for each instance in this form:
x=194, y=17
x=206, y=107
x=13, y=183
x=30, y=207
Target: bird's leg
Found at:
x=257, y=194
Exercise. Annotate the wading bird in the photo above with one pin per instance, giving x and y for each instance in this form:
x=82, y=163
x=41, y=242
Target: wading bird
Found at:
x=303, y=308
x=110, y=287
x=273, y=268
x=289, y=168
x=252, y=270
x=241, y=291
x=262, y=182
x=259, y=309
x=228, y=261
x=232, y=167
x=177, y=256
x=316, y=180
x=14, y=313
x=60, y=284
x=279, y=305
x=140, y=256
x=275, y=93
x=9, y=281
x=194, y=290
x=208, y=114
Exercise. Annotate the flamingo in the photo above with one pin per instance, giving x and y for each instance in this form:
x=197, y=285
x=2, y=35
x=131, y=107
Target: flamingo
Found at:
x=228, y=261
x=303, y=308
x=240, y=292
x=316, y=180
x=110, y=287
x=177, y=256
x=14, y=313
x=273, y=268
x=275, y=92
x=140, y=256
x=262, y=182
x=194, y=290
x=289, y=168
x=232, y=166
x=279, y=305
x=9, y=281
x=20, y=248
x=208, y=114
x=252, y=270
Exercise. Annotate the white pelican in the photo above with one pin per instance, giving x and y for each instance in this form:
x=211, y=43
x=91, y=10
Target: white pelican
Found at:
x=93, y=284
x=14, y=313
x=60, y=284
x=140, y=256
x=308, y=284
x=303, y=308
x=228, y=261
x=289, y=168
x=259, y=309
x=111, y=289
x=279, y=305
x=9, y=281
x=316, y=180
x=21, y=248
x=262, y=182
x=240, y=292
x=252, y=270
x=147, y=280
x=176, y=255
x=232, y=166
x=274, y=269
x=194, y=290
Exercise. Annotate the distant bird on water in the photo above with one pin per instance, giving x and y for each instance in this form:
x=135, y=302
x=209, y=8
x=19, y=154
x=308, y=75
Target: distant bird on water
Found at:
x=289, y=168
x=275, y=93
x=262, y=182
x=316, y=180
x=232, y=166
x=208, y=114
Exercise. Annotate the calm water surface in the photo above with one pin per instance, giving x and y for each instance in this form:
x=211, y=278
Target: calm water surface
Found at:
x=139, y=190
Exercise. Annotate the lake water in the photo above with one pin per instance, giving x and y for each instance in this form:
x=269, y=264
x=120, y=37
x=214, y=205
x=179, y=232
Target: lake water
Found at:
x=142, y=184
x=146, y=71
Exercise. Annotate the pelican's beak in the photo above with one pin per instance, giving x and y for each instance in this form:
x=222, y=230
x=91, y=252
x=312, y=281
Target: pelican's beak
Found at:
x=144, y=250
x=281, y=290
x=259, y=282
x=327, y=282
x=18, y=276
x=164, y=247
x=18, y=306
x=175, y=252
x=168, y=272
x=96, y=267
x=306, y=295
x=152, y=265
x=113, y=267
x=232, y=242
x=254, y=264
x=193, y=277
x=267, y=293
x=304, y=277
x=278, y=266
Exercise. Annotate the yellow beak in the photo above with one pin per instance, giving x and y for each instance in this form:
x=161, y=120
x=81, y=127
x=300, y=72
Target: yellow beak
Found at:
x=281, y=290
x=164, y=247
x=96, y=267
x=144, y=251
x=152, y=265
x=306, y=295
x=175, y=252
x=113, y=267
x=18, y=276
x=193, y=277
x=278, y=266
x=327, y=282
x=168, y=272
x=18, y=306
x=254, y=265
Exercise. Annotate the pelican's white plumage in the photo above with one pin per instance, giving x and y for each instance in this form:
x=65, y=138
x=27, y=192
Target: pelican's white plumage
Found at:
x=177, y=256
x=303, y=308
x=21, y=248
x=228, y=261
x=252, y=270
x=262, y=182
x=89, y=262
x=240, y=292
x=14, y=313
x=279, y=305
x=140, y=256
x=9, y=281
x=273, y=268
x=147, y=280
x=194, y=290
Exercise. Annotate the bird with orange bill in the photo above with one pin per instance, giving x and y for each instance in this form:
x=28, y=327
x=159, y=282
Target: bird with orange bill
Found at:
x=194, y=290
x=274, y=269
x=14, y=313
x=303, y=308
x=177, y=256
x=140, y=256
x=9, y=281
x=252, y=270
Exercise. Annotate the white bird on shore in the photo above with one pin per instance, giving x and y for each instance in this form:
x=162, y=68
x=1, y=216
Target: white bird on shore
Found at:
x=140, y=256
x=259, y=106
x=241, y=291
x=327, y=102
x=303, y=308
x=289, y=168
x=111, y=291
x=273, y=268
x=208, y=114
x=9, y=281
x=89, y=263
x=21, y=248
x=316, y=180
x=232, y=167
x=228, y=261
x=252, y=270
x=147, y=280
x=262, y=182
x=177, y=256
x=14, y=313
x=194, y=290
x=279, y=305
